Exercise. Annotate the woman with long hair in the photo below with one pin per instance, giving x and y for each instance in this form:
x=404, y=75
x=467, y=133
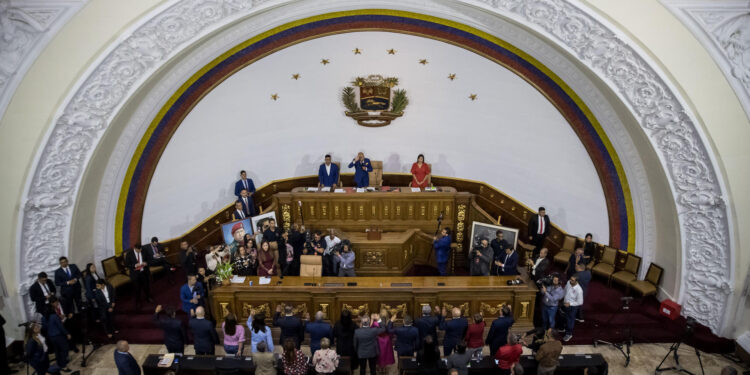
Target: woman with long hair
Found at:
x=293, y=362
x=241, y=262
x=36, y=348
x=268, y=261
x=234, y=335
x=259, y=332
x=474, y=334
x=385, y=342
x=89, y=280
x=421, y=173
x=343, y=335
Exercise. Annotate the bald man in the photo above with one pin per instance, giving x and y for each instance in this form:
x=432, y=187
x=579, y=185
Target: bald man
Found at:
x=126, y=364
x=204, y=333
x=317, y=330
x=455, y=329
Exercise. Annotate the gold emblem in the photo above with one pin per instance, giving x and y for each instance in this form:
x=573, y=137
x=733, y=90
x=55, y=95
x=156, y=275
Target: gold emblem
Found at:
x=378, y=104
x=325, y=61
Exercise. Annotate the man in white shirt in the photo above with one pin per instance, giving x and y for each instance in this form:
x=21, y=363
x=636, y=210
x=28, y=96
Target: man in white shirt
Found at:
x=328, y=263
x=216, y=256
x=573, y=301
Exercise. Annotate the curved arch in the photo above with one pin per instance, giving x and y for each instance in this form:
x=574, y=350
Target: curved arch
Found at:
x=693, y=175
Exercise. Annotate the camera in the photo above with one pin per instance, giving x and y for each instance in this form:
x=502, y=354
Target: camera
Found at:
x=516, y=281
x=547, y=281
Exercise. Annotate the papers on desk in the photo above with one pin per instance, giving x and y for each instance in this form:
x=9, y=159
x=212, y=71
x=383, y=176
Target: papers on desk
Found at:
x=415, y=190
x=264, y=280
x=312, y=189
x=370, y=188
x=325, y=188
x=360, y=190
x=166, y=361
x=339, y=191
x=432, y=188
x=238, y=279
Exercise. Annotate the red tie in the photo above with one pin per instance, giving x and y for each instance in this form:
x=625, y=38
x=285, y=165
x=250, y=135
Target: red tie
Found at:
x=541, y=224
x=59, y=312
x=138, y=255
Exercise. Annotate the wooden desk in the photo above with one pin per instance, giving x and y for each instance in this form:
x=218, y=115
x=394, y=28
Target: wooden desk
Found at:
x=400, y=295
x=392, y=255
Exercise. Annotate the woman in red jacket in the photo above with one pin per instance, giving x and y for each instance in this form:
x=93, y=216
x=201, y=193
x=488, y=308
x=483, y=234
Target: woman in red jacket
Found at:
x=474, y=335
x=508, y=355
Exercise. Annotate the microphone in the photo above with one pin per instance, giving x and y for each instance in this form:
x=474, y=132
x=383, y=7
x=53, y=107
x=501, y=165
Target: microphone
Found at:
x=440, y=218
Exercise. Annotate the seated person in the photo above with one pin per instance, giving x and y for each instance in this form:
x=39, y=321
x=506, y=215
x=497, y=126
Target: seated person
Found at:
x=508, y=266
x=362, y=167
x=345, y=259
x=248, y=206
x=315, y=247
x=238, y=213
x=158, y=257
x=328, y=174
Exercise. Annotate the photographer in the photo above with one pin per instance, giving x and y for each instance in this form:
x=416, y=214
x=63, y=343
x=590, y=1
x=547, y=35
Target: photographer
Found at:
x=552, y=293
x=480, y=259
x=344, y=258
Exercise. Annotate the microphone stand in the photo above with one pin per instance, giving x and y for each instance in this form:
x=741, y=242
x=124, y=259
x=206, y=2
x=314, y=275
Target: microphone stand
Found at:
x=439, y=222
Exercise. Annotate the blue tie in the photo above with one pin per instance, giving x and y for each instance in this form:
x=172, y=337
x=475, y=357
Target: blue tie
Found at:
x=67, y=270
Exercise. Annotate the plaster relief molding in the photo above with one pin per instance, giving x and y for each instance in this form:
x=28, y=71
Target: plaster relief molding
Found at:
x=723, y=28
x=696, y=186
x=26, y=26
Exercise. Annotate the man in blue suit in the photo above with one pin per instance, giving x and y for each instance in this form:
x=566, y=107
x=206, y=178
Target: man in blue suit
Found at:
x=291, y=326
x=328, y=174
x=427, y=324
x=204, y=333
x=498, y=335
x=57, y=335
x=247, y=185
x=192, y=295
x=455, y=329
x=442, y=247
x=362, y=167
x=407, y=338
x=509, y=265
x=126, y=364
x=317, y=330
x=67, y=278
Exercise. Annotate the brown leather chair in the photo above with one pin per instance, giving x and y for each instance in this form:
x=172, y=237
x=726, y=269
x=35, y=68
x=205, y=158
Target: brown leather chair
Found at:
x=113, y=273
x=376, y=176
x=311, y=265
x=566, y=250
x=629, y=273
x=606, y=267
x=649, y=285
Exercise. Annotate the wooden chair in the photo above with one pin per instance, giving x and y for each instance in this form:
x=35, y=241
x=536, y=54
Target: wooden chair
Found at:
x=629, y=273
x=113, y=273
x=376, y=176
x=311, y=265
x=649, y=285
x=566, y=250
x=606, y=267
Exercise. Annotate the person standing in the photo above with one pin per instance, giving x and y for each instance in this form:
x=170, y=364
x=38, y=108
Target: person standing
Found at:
x=460, y=359
x=420, y=173
x=345, y=259
x=407, y=338
x=428, y=323
x=291, y=326
x=328, y=174
x=174, y=332
x=539, y=265
x=428, y=357
x=259, y=332
x=538, y=229
x=41, y=292
x=268, y=263
x=480, y=259
x=385, y=341
x=246, y=184
x=234, y=335
x=317, y=330
x=362, y=168
x=332, y=242
x=474, y=338
x=192, y=295
x=90, y=277
x=315, y=247
x=455, y=329
x=204, y=333
x=365, y=343
x=248, y=206
x=548, y=354
x=68, y=279
x=288, y=257
x=241, y=265
x=498, y=334
x=36, y=348
x=508, y=355
x=187, y=258
x=57, y=335
x=104, y=295
x=442, y=247
x=498, y=246
x=551, y=297
x=325, y=360
x=572, y=301
x=509, y=265
x=343, y=335
x=583, y=275
x=126, y=364
x=137, y=262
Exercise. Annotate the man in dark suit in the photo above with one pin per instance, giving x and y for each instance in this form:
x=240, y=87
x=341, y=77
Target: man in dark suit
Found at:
x=538, y=229
x=509, y=265
x=174, y=332
x=498, y=335
x=246, y=184
x=68, y=279
x=539, y=266
x=137, y=262
x=407, y=338
x=187, y=258
x=498, y=245
x=248, y=205
x=366, y=344
x=104, y=295
x=455, y=329
x=204, y=333
x=41, y=291
x=328, y=174
x=157, y=254
x=291, y=326
x=427, y=324
x=57, y=335
x=192, y=295
x=317, y=330
x=126, y=364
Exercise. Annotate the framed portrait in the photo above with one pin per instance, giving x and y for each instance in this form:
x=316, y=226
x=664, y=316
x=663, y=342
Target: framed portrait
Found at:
x=259, y=220
x=481, y=231
x=236, y=229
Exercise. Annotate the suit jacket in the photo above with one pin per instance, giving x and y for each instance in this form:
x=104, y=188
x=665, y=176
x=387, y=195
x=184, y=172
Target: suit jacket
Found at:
x=407, y=340
x=510, y=266
x=131, y=260
x=101, y=301
x=35, y=353
x=328, y=179
x=62, y=278
x=126, y=364
x=174, y=331
x=204, y=335
x=442, y=248
x=427, y=325
x=498, y=335
x=188, y=262
x=361, y=177
x=366, y=343
x=534, y=225
x=482, y=268
x=541, y=269
x=317, y=331
x=238, y=186
x=37, y=295
x=55, y=326
x=291, y=327
x=237, y=215
x=149, y=248
x=186, y=295
x=249, y=207
x=89, y=282
x=455, y=329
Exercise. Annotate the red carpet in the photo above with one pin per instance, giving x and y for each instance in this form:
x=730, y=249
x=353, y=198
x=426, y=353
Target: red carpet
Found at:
x=604, y=318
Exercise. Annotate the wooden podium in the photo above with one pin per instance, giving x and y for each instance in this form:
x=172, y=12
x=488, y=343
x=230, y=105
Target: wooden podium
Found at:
x=392, y=255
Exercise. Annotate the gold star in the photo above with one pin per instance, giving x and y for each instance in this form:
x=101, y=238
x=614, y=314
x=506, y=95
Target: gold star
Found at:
x=452, y=76
x=325, y=62
x=473, y=97
x=423, y=61
x=275, y=96
x=357, y=51
x=295, y=76
x=391, y=51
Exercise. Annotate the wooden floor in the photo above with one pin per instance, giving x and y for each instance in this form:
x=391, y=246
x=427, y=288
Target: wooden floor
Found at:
x=645, y=358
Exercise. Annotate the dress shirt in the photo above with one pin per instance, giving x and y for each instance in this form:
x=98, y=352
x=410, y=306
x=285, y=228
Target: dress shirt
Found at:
x=45, y=290
x=533, y=269
x=330, y=243
x=106, y=294
x=328, y=169
x=347, y=260
x=541, y=224
x=553, y=296
x=573, y=294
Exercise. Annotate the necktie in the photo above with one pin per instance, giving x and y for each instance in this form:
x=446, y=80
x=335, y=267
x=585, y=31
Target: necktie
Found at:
x=59, y=311
x=242, y=214
x=67, y=270
x=46, y=290
x=156, y=249
x=138, y=256
x=245, y=200
x=541, y=224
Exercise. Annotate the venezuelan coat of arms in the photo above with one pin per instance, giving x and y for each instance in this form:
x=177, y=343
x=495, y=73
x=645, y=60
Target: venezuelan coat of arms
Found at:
x=378, y=103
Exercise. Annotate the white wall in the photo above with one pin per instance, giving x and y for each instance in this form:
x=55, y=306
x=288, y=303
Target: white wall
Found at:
x=511, y=136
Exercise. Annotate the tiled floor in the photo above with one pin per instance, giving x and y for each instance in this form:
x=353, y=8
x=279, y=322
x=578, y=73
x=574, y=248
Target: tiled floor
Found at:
x=645, y=358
